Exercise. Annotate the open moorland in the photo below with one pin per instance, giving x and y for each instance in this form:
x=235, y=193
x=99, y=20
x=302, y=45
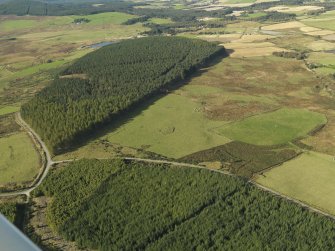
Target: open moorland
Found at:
x=238, y=92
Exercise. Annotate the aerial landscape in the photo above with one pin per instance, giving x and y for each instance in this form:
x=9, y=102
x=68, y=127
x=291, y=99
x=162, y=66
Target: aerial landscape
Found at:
x=168, y=125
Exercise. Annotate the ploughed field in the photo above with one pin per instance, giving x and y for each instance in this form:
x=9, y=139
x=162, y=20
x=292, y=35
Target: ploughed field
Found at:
x=106, y=204
x=110, y=80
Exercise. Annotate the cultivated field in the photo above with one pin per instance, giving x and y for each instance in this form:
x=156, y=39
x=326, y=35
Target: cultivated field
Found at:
x=309, y=178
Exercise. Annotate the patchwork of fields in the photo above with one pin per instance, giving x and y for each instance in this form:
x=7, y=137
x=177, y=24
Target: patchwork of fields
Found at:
x=265, y=113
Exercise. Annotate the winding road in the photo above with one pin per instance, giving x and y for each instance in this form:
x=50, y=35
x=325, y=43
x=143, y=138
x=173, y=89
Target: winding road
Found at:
x=49, y=163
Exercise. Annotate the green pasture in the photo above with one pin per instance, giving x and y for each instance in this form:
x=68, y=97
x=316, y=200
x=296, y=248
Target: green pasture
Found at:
x=308, y=178
x=86, y=34
x=105, y=18
x=323, y=21
x=14, y=25
x=322, y=58
x=325, y=70
x=57, y=22
x=173, y=126
x=8, y=109
x=273, y=128
x=19, y=161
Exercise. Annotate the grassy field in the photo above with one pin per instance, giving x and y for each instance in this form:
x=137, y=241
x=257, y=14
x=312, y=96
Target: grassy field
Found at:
x=323, y=21
x=173, y=126
x=273, y=128
x=309, y=178
x=8, y=109
x=322, y=58
x=19, y=161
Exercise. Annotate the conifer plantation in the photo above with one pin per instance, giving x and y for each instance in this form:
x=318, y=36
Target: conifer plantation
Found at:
x=108, y=81
x=114, y=205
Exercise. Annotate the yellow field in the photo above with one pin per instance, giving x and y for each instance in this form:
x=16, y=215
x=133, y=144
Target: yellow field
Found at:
x=294, y=9
x=321, y=45
x=283, y=26
x=243, y=49
x=308, y=178
x=320, y=33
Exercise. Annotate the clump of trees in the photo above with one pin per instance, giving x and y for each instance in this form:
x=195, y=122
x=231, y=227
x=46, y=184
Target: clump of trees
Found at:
x=135, y=20
x=275, y=16
x=118, y=76
x=291, y=54
x=114, y=205
x=81, y=20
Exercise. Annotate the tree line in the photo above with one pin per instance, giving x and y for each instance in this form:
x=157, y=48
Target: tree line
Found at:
x=117, y=77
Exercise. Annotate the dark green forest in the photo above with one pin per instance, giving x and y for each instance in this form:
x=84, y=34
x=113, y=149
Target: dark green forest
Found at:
x=115, y=205
x=109, y=81
x=60, y=8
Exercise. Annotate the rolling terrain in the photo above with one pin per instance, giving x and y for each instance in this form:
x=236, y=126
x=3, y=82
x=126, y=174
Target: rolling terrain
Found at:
x=169, y=125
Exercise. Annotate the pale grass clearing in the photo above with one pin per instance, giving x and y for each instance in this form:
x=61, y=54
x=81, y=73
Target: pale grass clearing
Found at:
x=255, y=52
x=321, y=45
x=289, y=9
x=236, y=13
x=248, y=45
x=329, y=37
x=221, y=38
x=252, y=49
x=320, y=33
x=252, y=38
x=309, y=29
x=283, y=26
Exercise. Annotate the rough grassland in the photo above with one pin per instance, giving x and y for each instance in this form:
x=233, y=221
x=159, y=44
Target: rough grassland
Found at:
x=273, y=128
x=309, y=178
x=323, y=21
x=173, y=126
x=19, y=162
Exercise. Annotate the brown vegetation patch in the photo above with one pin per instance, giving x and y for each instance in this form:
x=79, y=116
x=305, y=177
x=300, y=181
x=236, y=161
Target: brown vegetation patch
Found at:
x=80, y=76
x=235, y=110
x=243, y=159
x=8, y=125
x=38, y=223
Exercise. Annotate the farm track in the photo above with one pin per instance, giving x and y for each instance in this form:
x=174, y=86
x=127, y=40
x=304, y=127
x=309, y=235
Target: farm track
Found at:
x=49, y=163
